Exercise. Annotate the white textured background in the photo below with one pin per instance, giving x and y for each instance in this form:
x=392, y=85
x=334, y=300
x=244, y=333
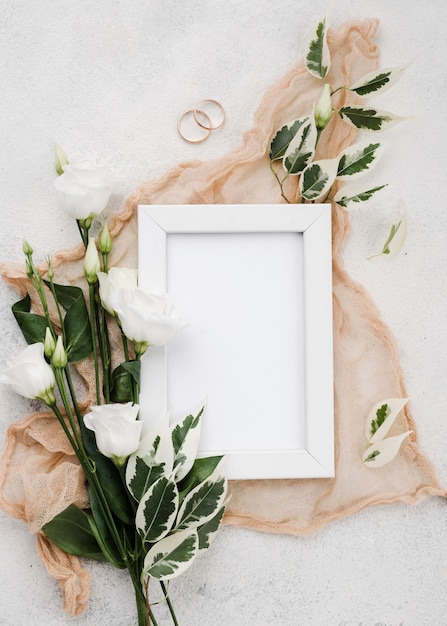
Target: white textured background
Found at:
x=107, y=80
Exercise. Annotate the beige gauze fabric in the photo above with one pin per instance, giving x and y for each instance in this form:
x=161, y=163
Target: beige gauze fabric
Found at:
x=39, y=476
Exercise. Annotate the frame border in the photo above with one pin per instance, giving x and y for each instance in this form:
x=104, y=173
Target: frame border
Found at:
x=156, y=222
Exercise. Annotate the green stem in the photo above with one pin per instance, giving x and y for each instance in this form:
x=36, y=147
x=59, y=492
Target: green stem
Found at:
x=169, y=603
x=91, y=293
x=280, y=182
x=144, y=612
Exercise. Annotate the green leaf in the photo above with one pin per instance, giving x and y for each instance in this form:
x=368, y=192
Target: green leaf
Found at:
x=33, y=326
x=102, y=532
x=382, y=452
x=200, y=471
x=368, y=119
x=185, y=439
x=208, y=531
x=382, y=417
x=283, y=137
x=357, y=159
x=143, y=477
x=121, y=389
x=71, y=532
x=317, y=58
x=109, y=477
x=301, y=149
x=76, y=321
x=203, y=502
x=157, y=510
x=317, y=179
x=347, y=195
x=172, y=555
x=378, y=80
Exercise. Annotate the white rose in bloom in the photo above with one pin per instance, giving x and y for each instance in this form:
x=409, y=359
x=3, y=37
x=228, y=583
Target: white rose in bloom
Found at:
x=116, y=428
x=30, y=375
x=146, y=318
x=117, y=278
x=84, y=189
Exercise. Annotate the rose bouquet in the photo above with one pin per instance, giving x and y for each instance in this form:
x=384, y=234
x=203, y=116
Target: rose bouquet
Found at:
x=154, y=506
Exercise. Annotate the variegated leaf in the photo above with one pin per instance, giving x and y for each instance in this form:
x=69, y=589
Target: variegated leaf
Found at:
x=357, y=159
x=317, y=179
x=283, y=137
x=157, y=453
x=208, y=531
x=382, y=452
x=202, y=503
x=301, y=149
x=377, y=80
x=185, y=438
x=396, y=238
x=317, y=57
x=368, y=119
x=382, y=417
x=157, y=510
x=172, y=555
x=354, y=194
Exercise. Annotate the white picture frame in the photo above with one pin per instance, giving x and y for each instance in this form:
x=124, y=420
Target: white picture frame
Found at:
x=254, y=283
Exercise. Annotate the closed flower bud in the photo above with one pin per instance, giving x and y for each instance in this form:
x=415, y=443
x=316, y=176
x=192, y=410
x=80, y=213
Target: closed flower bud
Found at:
x=61, y=160
x=30, y=375
x=50, y=271
x=59, y=358
x=49, y=344
x=27, y=250
x=91, y=262
x=105, y=240
x=116, y=429
x=323, y=109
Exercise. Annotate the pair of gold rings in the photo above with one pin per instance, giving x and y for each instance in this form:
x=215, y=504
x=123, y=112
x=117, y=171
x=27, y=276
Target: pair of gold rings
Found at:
x=195, y=125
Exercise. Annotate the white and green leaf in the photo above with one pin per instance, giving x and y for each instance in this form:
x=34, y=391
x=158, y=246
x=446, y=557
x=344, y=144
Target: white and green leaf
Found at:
x=157, y=510
x=382, y=416
x=353, y=194
x=301, y=149
x=317, y=179
x=185, y=439
x=383, y=452
x=357, y=159
x=202, y=503
x=378, y=80
x=370, y=119
x=208, y=531
x=395, y=240
x=317, y=55
x=283, y=137
x=172, y=555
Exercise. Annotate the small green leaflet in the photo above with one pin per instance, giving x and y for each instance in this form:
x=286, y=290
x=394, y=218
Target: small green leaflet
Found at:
x=383, y=452
x=317, y=179
x=357, y=159
x=346, y=195
x=172, y=555
x=371, y=457
x=185, y=439
x=377, y=80
x=395, y=239
x=208, y=531
x=301, y=149
x=381, y=414
x=157, y=510
x=283, y=137
x=317, y=58
x=368, y=119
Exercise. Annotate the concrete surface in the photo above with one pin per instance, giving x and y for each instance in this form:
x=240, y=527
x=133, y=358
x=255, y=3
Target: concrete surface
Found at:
x=107, y=80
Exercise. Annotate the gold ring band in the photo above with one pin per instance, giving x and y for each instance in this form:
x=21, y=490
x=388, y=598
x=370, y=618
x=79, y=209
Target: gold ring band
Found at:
x=198, y=112
x=181, y=123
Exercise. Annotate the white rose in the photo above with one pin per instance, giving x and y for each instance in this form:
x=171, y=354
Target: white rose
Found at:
x=30, y=375
x=117, y=278
x=146, y=318
x=84, y=190
x=116, y=428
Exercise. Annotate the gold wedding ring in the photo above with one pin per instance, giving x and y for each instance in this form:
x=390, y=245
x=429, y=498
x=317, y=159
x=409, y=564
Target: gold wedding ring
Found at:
x=195, y=125
x=209, y=114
